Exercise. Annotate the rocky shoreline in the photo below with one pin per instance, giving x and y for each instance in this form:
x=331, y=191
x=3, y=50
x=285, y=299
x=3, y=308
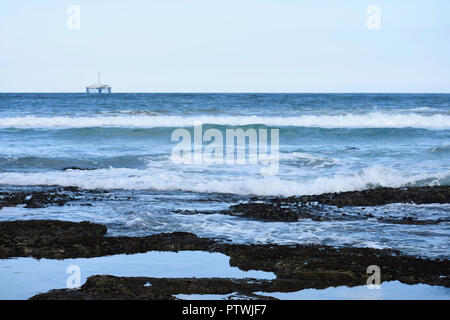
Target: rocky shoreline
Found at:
x=296, y=267
x=377, y=196
x=292, y=209
x=36, y=199
x=280, y=209
x=53, y=239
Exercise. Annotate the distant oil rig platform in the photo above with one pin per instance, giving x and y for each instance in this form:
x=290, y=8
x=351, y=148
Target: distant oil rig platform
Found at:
x=99, y=87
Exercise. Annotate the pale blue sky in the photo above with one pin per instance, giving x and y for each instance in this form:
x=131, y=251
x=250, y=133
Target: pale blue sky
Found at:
x=225, y=46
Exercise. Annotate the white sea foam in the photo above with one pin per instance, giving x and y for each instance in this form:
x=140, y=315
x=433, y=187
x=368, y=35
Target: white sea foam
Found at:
x=167, y=180
x=308, y=160
x=369, y=120
x=445, y=147
x=144, y=112
x=424, y=109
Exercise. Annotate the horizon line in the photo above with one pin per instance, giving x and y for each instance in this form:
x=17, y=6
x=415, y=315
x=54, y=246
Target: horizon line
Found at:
x=222, y=92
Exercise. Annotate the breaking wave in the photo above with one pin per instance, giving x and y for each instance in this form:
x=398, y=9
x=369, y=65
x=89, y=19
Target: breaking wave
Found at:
x=369, y=120
x=445, y=147
x=172, y=180
x=303, y=159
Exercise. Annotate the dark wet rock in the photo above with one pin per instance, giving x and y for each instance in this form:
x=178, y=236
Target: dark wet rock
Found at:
x=377, y=196
x=311, y=207
x=108, y=288
x=35, y=199
x=86, y=204
x=277, y=211
x=78, y=168
x=257, y=211
x=143, y=288
x=321, y=266
x=261, y=211
x=192, y=212
x=71, y=189
x=296, y=267
x=412, y=221
x=63, y=239
x=51, y=229
x=249, y=296
x=12, y=199
x=264, y=211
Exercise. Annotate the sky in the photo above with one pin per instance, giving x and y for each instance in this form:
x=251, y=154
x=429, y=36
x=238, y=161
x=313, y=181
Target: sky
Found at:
x=225, y=46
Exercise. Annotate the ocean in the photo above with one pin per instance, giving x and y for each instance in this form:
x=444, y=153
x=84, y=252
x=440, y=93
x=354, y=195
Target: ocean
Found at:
x=327, y=143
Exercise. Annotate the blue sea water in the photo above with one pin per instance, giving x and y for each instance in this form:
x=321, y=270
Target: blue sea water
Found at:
x=328, y=143
x=22, y=278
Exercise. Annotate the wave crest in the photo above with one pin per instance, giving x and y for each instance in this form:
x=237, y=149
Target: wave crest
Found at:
x=369, y=120
x=170, y=180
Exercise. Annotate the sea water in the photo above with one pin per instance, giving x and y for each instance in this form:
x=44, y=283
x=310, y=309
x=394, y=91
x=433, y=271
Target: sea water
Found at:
x=327, y=143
